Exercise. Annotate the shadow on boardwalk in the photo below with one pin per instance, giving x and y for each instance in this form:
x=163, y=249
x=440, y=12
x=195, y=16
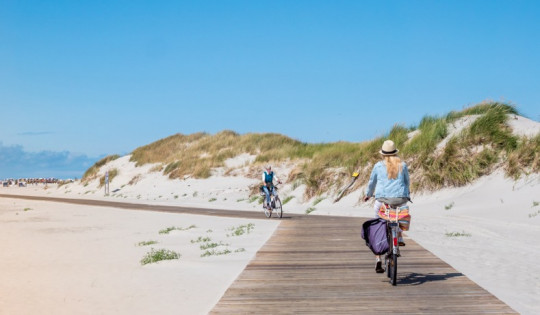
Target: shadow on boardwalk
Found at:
x=414, y=278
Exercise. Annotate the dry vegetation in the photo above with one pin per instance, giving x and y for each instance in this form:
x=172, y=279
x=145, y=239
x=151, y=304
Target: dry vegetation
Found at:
x=480, y=148
x=91, y=173
x=112, y=174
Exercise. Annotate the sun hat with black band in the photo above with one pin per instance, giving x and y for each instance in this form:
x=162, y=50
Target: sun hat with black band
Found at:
x=389, y=148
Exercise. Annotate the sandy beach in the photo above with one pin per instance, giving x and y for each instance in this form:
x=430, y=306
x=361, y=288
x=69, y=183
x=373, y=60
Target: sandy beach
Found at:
x=81, y=258
x=84, y=259
x=70, y=259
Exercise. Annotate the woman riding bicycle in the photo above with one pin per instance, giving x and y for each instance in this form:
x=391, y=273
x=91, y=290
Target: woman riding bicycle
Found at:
x=268, y=177
x=390, y=181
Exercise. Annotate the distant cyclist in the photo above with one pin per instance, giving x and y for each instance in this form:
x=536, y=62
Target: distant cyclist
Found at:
x=389, y=181
x=268, y=178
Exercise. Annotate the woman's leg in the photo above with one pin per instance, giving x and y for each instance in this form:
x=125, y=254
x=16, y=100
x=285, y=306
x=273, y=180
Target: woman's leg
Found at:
x=267, y=193
x=400, y=236
x=376, y=206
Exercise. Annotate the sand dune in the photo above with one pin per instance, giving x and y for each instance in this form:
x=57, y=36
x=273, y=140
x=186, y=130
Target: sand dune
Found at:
x=65, y=259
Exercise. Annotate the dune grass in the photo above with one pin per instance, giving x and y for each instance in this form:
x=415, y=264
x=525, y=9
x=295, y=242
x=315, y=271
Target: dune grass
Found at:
x=112, y=174
x=310, y=210
x=525, y=158
x=325, y=167
x=287, y=199
x=92, y=171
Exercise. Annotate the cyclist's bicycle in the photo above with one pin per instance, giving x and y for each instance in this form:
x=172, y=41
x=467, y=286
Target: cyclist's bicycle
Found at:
x=275, y=203
x=392, y=217
x=390, y=259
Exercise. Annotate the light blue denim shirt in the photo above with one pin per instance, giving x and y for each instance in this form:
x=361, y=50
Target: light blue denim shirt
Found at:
x=384, y=187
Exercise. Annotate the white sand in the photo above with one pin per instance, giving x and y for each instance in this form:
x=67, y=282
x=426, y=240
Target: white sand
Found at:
x=500, y=218
x=69, y=259
x=523, y=126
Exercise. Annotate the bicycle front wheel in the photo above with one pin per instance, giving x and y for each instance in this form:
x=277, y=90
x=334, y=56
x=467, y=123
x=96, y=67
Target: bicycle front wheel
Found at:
x=267, y=211
x=279, y=207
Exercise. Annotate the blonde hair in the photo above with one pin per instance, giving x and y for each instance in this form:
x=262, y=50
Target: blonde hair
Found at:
x=393, y=166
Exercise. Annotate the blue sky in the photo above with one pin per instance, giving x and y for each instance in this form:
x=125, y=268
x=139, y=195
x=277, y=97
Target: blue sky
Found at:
x=90, y=78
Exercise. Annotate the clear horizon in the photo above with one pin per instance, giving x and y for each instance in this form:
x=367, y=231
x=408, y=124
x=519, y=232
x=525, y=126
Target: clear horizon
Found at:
x=80, y=80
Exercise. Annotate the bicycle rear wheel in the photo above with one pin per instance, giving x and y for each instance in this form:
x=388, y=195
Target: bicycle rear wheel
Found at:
x=393, y=269
x=387, y=258
x=278, y=207
x=389, y=255
x=391, y=261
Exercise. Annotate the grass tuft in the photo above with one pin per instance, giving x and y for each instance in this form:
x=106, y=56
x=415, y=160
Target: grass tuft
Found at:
x=201, y=240
x=458, y=234
x=318, y=200
x=158, y=255
x=173, y=228
x=241, y=230
x=206, y=246
x=214, y=252
x=93, y=170
x=287, y=199
x=112, y=174
x=146, y=243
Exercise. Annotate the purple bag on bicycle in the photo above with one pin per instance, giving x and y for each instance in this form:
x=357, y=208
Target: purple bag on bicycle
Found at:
x=374, y=233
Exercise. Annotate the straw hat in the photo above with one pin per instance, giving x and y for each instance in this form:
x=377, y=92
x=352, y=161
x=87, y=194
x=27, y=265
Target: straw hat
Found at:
x=389, y=148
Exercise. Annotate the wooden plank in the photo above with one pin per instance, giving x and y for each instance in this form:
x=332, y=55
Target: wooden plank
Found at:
x=320, y=265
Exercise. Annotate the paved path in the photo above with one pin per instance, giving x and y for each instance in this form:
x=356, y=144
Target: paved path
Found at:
x=320, y=265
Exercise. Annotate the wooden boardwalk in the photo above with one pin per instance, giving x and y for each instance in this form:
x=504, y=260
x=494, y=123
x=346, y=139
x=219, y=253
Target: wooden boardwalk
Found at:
x=320, y=265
